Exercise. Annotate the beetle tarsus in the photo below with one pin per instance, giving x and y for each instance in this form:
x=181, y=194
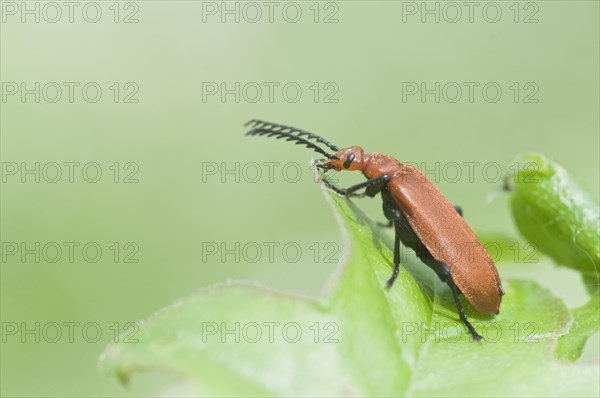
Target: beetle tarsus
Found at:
x=390, y=282
x=476, y=336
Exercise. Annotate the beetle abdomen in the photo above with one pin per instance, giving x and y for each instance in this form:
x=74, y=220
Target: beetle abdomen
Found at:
x=448, y=238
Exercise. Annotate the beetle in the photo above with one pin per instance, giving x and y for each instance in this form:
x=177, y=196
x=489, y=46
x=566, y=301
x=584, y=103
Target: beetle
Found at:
x=423, y=219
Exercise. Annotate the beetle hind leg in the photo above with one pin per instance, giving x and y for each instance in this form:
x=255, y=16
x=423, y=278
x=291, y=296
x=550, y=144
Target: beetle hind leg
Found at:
x=443, y=271
x=408, y=237
x=461, y=311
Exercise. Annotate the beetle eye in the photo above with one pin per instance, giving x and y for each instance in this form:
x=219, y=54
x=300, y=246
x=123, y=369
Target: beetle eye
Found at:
x=349, y=160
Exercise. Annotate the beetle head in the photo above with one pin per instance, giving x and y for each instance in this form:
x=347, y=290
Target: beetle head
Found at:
x=352, y=158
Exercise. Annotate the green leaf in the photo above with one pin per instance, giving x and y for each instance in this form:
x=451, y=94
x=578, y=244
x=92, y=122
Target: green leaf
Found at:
x=553, y=211
x=585, y=323
x=406, y=341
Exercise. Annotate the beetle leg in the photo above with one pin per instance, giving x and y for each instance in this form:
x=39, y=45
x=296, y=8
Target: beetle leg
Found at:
x=408, y=237
x=350, y=190
x=443, y=271
x=376, y=187
x=461, y=310
x=388, y=206
x=459, y=210
x=392, y=279
x=392, y=212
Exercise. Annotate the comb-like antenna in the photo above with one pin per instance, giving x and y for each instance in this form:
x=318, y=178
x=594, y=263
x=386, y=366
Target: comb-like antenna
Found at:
x=261, y=124
x=290, y=137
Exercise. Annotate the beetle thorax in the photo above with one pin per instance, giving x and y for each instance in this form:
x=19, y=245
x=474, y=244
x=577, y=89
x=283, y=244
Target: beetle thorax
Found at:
x=380, y=164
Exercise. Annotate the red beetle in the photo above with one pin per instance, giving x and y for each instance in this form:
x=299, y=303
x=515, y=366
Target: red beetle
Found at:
x=423, y=218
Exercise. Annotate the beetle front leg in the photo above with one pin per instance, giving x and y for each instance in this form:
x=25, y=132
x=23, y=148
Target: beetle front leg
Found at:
x=381, y=180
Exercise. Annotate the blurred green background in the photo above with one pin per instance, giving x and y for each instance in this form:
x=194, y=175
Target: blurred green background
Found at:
x=176, y=129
